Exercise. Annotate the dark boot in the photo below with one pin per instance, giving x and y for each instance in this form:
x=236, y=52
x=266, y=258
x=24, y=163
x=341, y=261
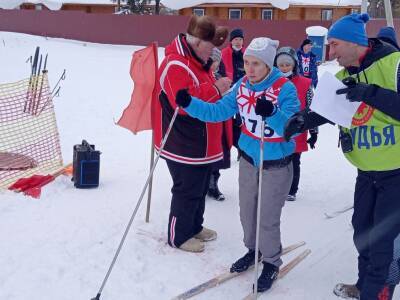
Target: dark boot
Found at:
x=245, y=262
x=346, y=291
x=268, y=275
x=213, y=190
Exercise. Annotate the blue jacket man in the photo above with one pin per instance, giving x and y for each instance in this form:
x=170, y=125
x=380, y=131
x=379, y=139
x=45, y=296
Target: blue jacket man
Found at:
x=308, y=62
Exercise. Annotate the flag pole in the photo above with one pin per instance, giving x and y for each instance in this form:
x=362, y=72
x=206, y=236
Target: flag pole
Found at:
x=151, y=180
x=155, y=51
x=388, y=13
x=364, y=6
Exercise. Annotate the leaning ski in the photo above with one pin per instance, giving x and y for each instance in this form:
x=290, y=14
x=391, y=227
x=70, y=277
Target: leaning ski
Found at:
x=286, y=269
x=225, y=277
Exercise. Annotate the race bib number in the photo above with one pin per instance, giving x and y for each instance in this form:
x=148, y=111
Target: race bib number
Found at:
x=253, y=125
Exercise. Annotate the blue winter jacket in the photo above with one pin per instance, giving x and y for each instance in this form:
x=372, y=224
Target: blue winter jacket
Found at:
x=313, y=66
x=226, y=107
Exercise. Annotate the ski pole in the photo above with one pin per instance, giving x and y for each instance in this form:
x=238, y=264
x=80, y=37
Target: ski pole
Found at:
x=121, y=243
x=39, y=98
x=31, y=103
x=62, y=77
x=260, y=172
x=29, y=92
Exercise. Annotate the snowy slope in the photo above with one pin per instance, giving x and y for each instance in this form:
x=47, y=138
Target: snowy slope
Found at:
x=60, y=246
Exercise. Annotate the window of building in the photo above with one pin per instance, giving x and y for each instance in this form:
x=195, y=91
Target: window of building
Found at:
x=326, y=14
x=267, y=14
x=355, y=10
x=199, y=12
x=38, y=7
x=235, y=14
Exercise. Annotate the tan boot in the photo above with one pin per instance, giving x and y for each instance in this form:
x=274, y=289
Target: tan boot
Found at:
x=346, y=291
x=192, y=245
x=206, y=235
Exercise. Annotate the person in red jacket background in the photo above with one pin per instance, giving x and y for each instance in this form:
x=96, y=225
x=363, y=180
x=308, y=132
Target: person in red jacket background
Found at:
x=286, y=61
x=232, y=58
x=192, y=146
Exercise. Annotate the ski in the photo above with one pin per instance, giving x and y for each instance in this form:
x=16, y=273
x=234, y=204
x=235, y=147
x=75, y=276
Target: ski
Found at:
x=336, y=213
x=283, y=272
x=217, y=280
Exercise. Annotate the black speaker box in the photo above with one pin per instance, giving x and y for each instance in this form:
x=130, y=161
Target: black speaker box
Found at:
x=86, y=166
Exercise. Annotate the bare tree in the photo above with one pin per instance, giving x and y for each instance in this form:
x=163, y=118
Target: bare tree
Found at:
x=157, y=7
x=376, y=8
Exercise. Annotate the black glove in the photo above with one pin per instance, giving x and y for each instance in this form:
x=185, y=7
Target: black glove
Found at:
x=264, y=108
x=183, y=98
x=357, y=91
x=295, y=124
x=313, y=139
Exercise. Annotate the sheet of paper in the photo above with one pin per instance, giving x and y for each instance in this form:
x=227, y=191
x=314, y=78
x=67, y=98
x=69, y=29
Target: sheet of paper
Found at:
x=326, y=103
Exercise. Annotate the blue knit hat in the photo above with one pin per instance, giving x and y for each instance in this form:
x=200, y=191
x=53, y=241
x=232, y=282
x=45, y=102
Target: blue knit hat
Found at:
x=350, y=28
x=236, y=33
x=387, y=34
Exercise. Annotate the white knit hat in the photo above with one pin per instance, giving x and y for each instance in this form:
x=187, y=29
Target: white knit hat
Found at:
x=264, y=49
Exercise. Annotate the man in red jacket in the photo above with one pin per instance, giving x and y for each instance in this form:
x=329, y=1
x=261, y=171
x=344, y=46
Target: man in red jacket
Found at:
x=192, y=146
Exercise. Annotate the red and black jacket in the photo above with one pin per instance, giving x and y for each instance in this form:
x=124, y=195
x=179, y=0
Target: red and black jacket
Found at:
x=302, y=85
x=191, y=141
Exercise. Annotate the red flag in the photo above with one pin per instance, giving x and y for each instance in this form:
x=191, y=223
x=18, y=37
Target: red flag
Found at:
x=144, y=65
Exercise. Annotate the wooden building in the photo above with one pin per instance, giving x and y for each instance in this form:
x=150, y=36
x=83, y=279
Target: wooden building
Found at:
x=88, y=6
x=325, y=10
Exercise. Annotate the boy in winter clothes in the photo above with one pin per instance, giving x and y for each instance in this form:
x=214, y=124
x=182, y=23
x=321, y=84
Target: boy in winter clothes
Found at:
x=192, y=146
x=308, y=62
x=218, y=70
x=286, y=61
x=263, y=93
x=232, y=58
x=232, y=55
x=372, y=144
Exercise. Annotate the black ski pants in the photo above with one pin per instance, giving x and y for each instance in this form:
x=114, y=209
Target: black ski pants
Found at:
x=376, y=222
x=296, y=174
x=190, y=185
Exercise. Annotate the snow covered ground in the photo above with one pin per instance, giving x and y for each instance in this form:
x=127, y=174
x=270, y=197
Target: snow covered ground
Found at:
x=60, y=246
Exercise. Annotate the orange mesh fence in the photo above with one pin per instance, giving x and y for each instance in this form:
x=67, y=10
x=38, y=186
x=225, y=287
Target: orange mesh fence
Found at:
x=29, y=139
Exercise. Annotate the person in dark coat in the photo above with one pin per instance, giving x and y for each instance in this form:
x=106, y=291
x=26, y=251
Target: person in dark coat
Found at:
x=232, y=58
x=218, y=69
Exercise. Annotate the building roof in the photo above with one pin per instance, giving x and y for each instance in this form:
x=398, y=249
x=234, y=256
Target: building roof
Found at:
x=282, y=4
x=179, y=4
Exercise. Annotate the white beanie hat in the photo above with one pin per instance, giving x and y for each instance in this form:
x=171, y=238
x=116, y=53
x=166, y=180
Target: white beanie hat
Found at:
x=285, y=59
x=264, y=49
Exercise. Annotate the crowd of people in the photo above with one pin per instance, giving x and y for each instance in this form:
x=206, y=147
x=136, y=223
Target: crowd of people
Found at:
x=226, y=97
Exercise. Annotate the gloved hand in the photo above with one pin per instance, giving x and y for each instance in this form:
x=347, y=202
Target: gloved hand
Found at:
x=264, y=107
x=294, y=125
x=312, y=139
x=357, y=91
x=183, y=98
